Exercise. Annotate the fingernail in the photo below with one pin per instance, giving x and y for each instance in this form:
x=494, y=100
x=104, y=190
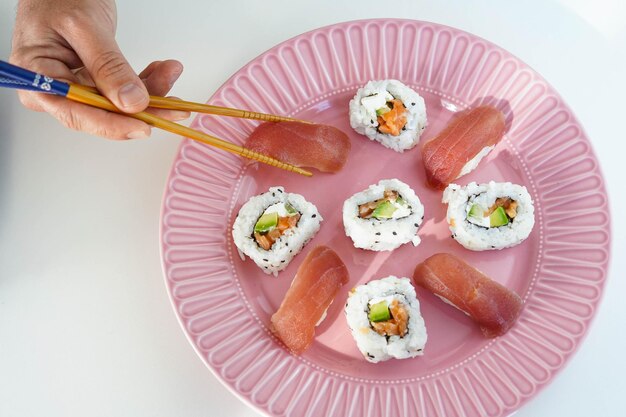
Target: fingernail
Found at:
x=138, y=134
x=174, y=76
x=131, y=95
x=180, y=115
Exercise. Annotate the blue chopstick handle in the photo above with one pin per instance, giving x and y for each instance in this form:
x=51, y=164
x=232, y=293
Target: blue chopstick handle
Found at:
x=11, y=83
x=13, y=76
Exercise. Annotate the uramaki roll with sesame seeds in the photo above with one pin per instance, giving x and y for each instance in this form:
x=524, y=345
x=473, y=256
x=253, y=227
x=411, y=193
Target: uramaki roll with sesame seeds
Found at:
x=273, y=227
x=389, y=112
x=385, y=320
x=384, y=216
x=495, y=215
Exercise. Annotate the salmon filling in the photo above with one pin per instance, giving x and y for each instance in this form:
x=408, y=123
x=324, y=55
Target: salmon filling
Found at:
x=397, y=324
x=366, y=210
x=266, y=239
x=509, y=205
x=392, y=121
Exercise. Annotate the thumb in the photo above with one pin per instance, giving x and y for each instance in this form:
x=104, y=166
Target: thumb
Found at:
x=112, y=74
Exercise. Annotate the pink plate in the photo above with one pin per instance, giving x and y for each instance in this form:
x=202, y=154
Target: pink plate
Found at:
x=224, y=304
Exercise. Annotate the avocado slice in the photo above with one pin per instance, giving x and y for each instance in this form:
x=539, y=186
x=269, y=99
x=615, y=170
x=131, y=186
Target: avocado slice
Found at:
x=291, y=211
x=498, y=218
x=384, y=210
x=401, y=201
x=382, y=110
x=379, y=312
x=266, y=222
x=476, y=212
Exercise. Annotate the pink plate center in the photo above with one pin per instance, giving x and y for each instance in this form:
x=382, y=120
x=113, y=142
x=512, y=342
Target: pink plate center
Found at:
x=452, y=337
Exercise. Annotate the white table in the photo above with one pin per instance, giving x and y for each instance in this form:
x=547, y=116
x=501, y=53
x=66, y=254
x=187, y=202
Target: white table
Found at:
x=86, y=327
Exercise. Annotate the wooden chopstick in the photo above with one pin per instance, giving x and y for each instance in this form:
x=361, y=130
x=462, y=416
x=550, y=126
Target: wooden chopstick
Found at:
x=178, y=104
x=88, y=96
x=12, y=76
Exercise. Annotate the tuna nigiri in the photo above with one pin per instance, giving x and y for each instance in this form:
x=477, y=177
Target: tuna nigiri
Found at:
x=458, y=149
x=492, y=306
x=317, y=281
x=317, y=146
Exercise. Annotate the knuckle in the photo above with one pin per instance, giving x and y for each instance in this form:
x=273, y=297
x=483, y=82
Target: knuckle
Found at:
x=111, y=128
x=27, y=100
x=24, y=56
x=84, y=15
x=103, y=125
x=105, y=132
x=72, y=20
x=110, y=64
x=68, y=119
x=17, y=55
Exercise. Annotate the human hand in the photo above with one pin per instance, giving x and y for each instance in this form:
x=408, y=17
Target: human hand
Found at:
x=74, y=40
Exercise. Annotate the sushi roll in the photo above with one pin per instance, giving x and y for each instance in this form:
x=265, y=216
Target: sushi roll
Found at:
x=384, y=216
x=489, y=216
x=385, y=321
x=388, y=112
x=273, y=227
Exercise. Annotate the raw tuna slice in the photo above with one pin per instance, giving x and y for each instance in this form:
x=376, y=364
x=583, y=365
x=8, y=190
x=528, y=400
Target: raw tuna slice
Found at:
x=319, y=278
x=317, y=146
x=458, y=149
x=492, y=306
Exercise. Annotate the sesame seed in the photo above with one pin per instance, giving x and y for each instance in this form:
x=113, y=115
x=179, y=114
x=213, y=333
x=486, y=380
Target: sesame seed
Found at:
x=394, y=233
x=314, y=216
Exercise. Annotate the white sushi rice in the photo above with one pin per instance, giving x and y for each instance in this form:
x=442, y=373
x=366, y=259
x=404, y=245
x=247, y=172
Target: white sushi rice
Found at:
x=384, y=234
x=482, y=237
x=473, y=163
x=373, y=346
x=374, y=95
x=289, y=244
